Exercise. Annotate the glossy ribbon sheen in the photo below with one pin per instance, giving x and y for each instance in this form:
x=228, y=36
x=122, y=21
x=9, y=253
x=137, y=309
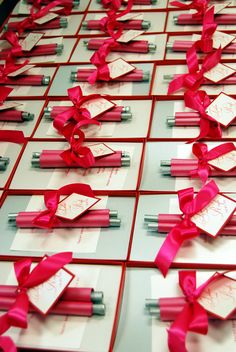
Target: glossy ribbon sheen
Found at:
x=195, y=77
x=12, y=38
x=47, y=217
x=76, y=113
x=200, y=150
x=43, y=271
x=205, y=44
x=12, y=136
x=199, y=101
x=193, y=317
x=186, y=229
x=10, y=67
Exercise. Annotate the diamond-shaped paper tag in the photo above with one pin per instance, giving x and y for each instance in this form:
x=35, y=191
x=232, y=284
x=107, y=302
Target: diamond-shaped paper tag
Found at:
x=119, y=67
x=130, y=16
x=214, y=216
x=129, y=35
x=9, y=105
x=45, y=295
x=219, y=7
x=31, y=40
x=97, y=106
x=222, y=109
x=219, y=72
x=219, y=39
x=100, y=149
x=75, y=205
x=219, y=297
x=48, y=17
x=224, y=162
x=20, y=70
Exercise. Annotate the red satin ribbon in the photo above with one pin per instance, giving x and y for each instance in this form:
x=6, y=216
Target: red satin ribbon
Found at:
x=47, y=217
x=28, y=23
x=111, y=4
x=199, y=101
x=195, y=77
x=76, y=112
x=43, y=271
x=12, y=136
x=186, y=229
x=4, y=92
x=77, y=154
x=200, y=150
x=193, y=317
x=9, y=67
x=199, y=5
x=67, y=6
x=12, y=38
x=205, y=44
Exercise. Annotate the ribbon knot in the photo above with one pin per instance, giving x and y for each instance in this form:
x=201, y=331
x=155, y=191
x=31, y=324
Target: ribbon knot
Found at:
x=200, y=150
x=186, y=229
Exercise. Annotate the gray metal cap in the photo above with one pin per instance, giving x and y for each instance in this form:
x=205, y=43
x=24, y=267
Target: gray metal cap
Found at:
x=47, y=112
x=35, y=162
x=146, y=24
x=73, y=76
x=168, y=77
x=63, y=22
x=170, y=122
x=36, y=155
x=3, y=166
x=115, y=222
x=150, y=218
x=5, y=159
x=169, y=46
x=175, y=19
x=152, y=47
x=46, y=80
x=85, y=24
x=113, y=213
x=146, y=76
x=97, y=296
x=27, y=116
x=165, y=162
x=126, y=116
x=153, y=227
x=126, y=109
x=59, y=49
x=76, y=3
x=165, y=170
x=152, y=303
x=125, y=160
x=99, y=309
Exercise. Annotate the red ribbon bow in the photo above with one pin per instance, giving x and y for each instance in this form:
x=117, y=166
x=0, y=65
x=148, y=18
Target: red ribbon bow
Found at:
x=66, y=10
x=193, y=317
x=76, y=112
x=186, y=229
x=200, y=150
x=205, y=44
x=199, y=5
x=199, y=101
x=28, y=23
x=43, y=271
x=47, y=217
x=8, y=68
x=12, y=38
x=195, y=77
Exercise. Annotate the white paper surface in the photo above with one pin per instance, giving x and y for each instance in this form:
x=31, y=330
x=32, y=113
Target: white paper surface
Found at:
x=221, y=335
x=77, y=240
x=98, y=178
x=58, y=332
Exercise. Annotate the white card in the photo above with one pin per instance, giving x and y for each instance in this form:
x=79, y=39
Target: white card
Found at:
x=31, y=40
x=219, y=297
x=97, y=106
x=129, y=16
x=215, y=215
x=222, y=39
x=9, y=105
x=129, y=35
x=225, y=162
x=222, y=109
x=119, y=68
x=219, y=72
x=20, y=70
x=100, y=149
x=46, y=294
x=48, y=17
x=219, y=7
x=74, y=205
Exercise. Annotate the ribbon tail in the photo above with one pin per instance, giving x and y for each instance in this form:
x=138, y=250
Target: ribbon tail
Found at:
x=7, y=344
